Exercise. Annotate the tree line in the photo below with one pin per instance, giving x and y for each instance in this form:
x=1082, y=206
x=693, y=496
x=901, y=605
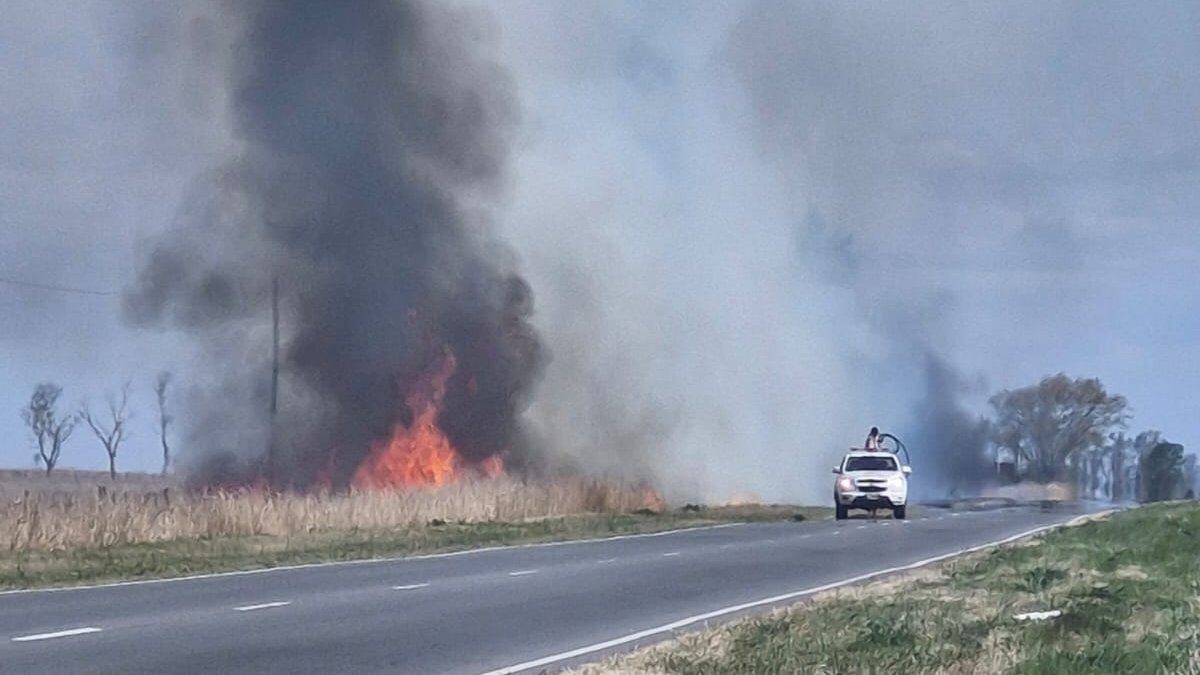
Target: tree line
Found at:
x=1058, y=430
x=52, y=424
x=1074, y=431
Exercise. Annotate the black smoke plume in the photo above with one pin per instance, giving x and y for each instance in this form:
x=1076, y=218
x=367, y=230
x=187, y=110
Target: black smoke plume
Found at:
x=370, y=136
x=948, y=443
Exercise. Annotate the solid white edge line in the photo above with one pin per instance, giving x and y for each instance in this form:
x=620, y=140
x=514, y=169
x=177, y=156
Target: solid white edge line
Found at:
x=265, y=605
x=367, y=561
x=522, y=573
x=675, y=625
x=56, y=634
x=410, y=587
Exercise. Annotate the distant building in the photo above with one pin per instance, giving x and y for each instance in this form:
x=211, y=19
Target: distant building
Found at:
x=1006, y=472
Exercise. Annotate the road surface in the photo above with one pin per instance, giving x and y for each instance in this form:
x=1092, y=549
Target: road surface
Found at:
x=532, y=608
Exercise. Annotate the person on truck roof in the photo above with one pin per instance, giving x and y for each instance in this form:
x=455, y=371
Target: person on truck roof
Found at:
x=873, y=440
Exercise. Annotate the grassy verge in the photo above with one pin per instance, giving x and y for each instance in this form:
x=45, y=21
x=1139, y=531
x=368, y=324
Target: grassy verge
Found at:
x=184, y=556
x=1128, y=588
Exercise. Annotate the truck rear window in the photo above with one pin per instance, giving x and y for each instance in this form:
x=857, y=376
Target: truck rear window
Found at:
x=870, y=464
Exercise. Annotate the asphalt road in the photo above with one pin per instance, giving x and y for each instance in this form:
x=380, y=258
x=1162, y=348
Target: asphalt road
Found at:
x=535, y=607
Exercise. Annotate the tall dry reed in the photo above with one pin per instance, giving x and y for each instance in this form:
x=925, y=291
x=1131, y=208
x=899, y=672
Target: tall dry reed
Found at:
x=41, y=522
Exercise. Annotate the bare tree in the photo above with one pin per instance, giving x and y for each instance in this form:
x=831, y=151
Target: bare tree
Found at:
x=1119, y=466
x=113, y=430
x=1053, y=425
x=164, y=418
x=50, y=427
x=1094, y=477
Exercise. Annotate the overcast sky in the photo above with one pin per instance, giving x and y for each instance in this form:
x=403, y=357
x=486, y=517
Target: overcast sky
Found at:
x=743, y=222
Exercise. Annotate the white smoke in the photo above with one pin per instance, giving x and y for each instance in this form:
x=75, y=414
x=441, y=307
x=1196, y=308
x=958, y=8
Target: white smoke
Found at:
x=757, y=230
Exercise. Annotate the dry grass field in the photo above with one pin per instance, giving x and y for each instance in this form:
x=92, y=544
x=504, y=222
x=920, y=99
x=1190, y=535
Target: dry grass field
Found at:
x=109, y=515
x=75, y=527
x=14, y=483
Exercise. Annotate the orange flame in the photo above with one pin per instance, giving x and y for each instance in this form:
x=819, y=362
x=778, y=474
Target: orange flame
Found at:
x=652, y=499
x=492, y=467
x=419, y=454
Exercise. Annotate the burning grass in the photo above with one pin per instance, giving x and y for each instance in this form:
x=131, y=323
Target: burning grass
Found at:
x=1128, y=588
x=72, y=538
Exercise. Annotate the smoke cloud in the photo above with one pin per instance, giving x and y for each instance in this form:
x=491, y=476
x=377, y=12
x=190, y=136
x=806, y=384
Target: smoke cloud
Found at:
x=791, y=222
x=753, y=229
x=370, y=139
x=950, y=441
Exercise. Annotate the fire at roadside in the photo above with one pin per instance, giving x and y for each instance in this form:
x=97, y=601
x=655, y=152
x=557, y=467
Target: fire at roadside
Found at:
x=416, y=454
x=362, y=246
x=419, y=453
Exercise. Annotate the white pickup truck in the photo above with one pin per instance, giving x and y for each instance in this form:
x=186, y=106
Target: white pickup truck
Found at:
x=871, y=480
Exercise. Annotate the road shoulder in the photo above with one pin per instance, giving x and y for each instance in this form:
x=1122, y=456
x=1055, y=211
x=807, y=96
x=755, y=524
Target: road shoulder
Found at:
x=1112, y=594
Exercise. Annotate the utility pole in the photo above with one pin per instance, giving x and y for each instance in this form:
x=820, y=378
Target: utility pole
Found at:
x=271, y=451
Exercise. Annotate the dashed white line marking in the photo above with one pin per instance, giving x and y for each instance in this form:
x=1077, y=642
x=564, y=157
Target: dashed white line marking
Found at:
x=672, y=553
x=836, y=532
x=726, y=545
x=861, y=527
x=521, y=573
x=676, y=625
x=265, y=605
x=410, y=587
x=956, y=514
x=56, y=634
x=606, y=561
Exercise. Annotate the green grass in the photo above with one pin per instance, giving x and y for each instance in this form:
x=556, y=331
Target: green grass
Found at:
x=196, y=556
x=1128, y=587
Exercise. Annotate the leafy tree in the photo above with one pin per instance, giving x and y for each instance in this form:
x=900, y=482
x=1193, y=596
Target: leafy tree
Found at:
x=50, y=427
x=1162, y=471
x=1143, y=443
x=1049, y=425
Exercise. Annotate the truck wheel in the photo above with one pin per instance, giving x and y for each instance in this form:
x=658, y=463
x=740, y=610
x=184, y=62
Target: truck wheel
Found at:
x=841, y=511
x=899, y=512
